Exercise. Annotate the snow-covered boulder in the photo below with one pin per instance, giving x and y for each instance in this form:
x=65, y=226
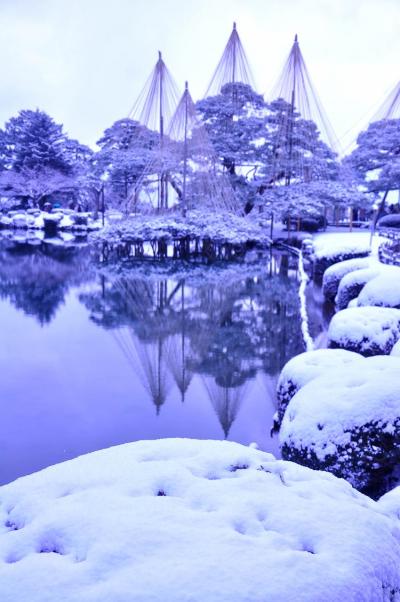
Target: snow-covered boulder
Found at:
x=20, y=220
x=365, y=330
x=347, y=422
x=208, y=521
x=352, y=284
x=334, y=274
x=383, y=291
x=305, y=367
x=5, y=221
x=331, y=250
x=66, y=223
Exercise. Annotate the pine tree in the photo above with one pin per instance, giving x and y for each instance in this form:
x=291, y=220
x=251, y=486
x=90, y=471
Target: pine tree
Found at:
x=35, y=142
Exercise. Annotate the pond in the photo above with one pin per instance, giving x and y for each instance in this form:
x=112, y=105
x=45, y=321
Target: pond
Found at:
x=94, y=355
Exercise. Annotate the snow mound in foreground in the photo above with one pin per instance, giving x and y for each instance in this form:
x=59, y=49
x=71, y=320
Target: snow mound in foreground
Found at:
x=305, y=367
x=334, y=274
x=366, y=330
x=347, y=422
x=205, y=521
x=384, y=290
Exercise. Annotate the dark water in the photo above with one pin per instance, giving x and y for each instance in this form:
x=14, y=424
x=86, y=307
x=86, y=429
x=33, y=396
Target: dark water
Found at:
x=92, y=356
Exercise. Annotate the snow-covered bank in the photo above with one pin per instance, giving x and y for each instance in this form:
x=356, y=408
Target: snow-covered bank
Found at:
x=61, y=219
x=193, y=520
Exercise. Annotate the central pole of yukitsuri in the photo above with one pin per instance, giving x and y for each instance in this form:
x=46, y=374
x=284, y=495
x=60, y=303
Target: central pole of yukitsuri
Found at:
x=295, y=51
x=185, y=149
x=161, y=193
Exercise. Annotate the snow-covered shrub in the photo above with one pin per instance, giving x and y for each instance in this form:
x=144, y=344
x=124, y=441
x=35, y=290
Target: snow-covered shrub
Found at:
x=389, y=221
x=305, y=367
x=219, y=227
x=334, y=274
x=208, y=521
x=331, y=250
x=352, y=284
x=347, y=422
x=383, y=291
x=365, y=330
x=396, y=349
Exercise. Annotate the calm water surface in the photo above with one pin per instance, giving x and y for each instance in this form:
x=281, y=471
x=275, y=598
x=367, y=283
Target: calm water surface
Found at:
x=93, y=356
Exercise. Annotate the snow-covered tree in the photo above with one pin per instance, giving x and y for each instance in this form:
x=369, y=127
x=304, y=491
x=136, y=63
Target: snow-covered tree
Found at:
x=312, y=199
x=376, y=158
x=33, y=186
x=295, y=152
x=35, y=142
x=126, y=148
x=235, y=122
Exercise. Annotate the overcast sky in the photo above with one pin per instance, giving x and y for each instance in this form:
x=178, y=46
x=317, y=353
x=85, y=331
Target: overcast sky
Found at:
x=85, y=61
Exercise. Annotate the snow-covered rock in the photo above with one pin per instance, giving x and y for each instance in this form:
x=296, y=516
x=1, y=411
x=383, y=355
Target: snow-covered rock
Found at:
x=365, y=330
x=177, y=520
x=66, y=222
x=347, y=422
x=384, y=290
x=352, y=284
x=21, y=220
x=5, y=221
x=333, y=274
x=306, y=366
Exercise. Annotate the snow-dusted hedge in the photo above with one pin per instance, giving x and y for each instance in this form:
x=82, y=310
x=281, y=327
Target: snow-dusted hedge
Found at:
x=333, y=275
x=207, y=521
x=365, y=330
x=352, y=284
x=396, y=349
x=305, y=367
x=384, y=290
x=329, y=250
x=390, y=221
x=221, y=228
x=347, y=422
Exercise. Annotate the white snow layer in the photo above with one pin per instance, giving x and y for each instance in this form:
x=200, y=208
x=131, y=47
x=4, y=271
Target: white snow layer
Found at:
x=185, y=520
x=396, y=349
x=306, y=366
x=384, y=290
x=320, y=415
x=335, y=273
x=354, y=280
x=346, y=244
x=365, y=329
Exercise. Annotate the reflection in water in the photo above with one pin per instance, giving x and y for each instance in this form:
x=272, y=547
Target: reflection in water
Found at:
x=226, y=402
x=214, y=337
x=227, y=329
x=36, y=280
